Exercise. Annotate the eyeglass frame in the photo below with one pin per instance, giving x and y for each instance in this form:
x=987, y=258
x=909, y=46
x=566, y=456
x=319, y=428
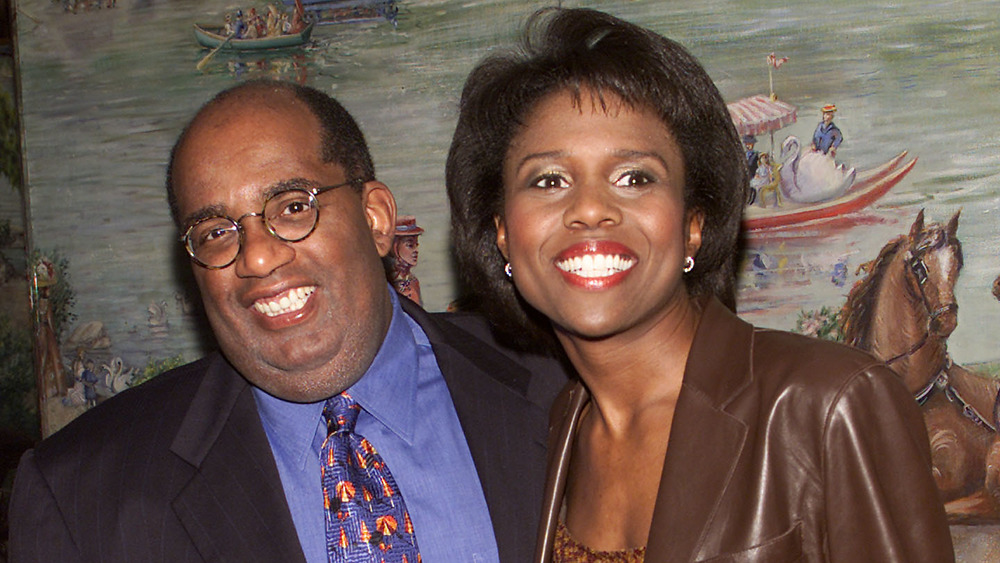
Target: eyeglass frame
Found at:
x=313, y=193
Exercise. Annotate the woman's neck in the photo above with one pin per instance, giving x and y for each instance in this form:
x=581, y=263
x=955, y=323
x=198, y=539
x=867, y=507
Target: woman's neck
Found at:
x=630, y=372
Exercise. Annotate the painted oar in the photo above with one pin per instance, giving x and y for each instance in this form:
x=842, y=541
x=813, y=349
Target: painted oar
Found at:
x=208, y=57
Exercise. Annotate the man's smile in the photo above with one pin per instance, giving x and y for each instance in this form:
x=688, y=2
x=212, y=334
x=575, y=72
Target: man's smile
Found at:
x=285, y=302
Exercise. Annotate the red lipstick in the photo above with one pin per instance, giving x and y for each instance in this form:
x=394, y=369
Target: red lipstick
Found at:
x=595, y=264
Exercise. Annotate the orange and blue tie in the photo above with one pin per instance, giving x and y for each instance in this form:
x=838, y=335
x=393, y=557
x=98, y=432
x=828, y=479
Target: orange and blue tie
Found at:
x=366, y=518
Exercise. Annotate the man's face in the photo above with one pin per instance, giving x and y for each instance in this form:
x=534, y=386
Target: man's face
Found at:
x=302, y=320
x=827, y=116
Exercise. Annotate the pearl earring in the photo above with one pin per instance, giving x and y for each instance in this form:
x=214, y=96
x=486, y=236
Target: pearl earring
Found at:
x=688, y=264
x=508, y=270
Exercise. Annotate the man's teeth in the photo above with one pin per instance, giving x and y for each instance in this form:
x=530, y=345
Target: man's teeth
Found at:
x=595, y=265
x=291, y=300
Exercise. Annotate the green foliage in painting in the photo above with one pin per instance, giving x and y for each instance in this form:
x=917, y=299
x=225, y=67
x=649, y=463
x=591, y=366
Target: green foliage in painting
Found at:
x=6, y=234
x=60, y=294
x=18, y=397
x=824, y=323
x=155, y=367
x=10, y=144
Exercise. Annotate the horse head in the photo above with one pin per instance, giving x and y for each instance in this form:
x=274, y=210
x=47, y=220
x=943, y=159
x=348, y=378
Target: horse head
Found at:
x=933, y=261
x=904, y=310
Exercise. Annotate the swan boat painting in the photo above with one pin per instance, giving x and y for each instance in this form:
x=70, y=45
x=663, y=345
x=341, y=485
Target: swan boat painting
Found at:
x=812, y=186
x=867, y=187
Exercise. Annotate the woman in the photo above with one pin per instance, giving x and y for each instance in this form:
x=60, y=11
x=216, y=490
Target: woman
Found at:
x=599, y=169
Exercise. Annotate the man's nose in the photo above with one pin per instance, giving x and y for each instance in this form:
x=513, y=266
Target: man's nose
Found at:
x=261, y=253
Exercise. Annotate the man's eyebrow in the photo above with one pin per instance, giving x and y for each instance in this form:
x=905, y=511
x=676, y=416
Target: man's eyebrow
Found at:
x=290, y=184
x=203, y=213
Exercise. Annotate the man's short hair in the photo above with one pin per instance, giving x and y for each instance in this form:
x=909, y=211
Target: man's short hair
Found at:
x=341, y=140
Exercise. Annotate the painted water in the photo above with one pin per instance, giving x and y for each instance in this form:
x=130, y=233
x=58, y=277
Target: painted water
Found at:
x=106, y=91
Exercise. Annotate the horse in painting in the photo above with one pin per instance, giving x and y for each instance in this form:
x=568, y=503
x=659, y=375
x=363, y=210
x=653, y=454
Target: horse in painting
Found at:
x=903, y=312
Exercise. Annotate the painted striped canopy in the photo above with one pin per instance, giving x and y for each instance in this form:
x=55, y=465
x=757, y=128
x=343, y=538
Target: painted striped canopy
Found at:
x=760, y=114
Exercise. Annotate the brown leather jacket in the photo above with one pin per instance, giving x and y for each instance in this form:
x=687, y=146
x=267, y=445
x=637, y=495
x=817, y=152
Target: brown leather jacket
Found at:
x=783, y=448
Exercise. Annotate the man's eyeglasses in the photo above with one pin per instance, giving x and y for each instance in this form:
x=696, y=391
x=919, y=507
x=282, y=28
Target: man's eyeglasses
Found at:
x=291, y=216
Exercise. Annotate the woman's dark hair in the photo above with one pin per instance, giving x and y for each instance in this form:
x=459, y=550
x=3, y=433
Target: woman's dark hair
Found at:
x=586, y=52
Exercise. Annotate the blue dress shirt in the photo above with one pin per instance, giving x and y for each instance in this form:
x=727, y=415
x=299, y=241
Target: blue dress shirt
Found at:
x=408, y=415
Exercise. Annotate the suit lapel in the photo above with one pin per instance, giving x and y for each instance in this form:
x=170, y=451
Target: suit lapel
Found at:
x=705, y=440
x=509, y=455
x=234, y=506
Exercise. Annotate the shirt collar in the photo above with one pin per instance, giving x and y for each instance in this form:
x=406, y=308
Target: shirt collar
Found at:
x=387, y=391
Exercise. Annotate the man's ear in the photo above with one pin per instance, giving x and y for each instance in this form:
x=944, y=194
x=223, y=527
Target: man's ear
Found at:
x=501, y=236
x=380, y=212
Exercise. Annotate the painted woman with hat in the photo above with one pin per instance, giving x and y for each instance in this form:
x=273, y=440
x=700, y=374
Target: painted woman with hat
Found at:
x=827, y=136
x=405, y=253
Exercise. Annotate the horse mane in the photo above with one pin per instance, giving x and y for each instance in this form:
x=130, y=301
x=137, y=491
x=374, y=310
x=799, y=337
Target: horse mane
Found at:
x=860, y=303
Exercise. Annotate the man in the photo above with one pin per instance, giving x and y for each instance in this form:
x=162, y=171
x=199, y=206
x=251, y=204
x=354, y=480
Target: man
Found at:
x=827, y=136
x=273, y=188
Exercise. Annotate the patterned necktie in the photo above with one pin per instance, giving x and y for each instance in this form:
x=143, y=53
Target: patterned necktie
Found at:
x=366, y=519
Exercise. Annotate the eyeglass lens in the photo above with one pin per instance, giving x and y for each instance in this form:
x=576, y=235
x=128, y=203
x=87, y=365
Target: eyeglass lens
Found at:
x=290, y=216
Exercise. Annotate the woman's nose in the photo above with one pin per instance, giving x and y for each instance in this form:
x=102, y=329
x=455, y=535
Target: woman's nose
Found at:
x=592, y=206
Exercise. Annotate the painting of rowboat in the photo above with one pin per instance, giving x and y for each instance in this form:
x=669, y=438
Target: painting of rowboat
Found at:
x=212, y=36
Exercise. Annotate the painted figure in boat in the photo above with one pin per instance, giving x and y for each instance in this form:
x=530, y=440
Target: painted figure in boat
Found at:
x=749, y=141
x=764, y=174
x=827, y=136
x=812, y=176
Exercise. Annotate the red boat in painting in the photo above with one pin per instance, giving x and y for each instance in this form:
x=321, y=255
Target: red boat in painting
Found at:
x=765, y=114
x=868, y=187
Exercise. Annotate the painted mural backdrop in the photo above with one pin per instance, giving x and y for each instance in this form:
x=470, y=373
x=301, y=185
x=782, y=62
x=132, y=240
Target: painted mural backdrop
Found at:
x=108, y=85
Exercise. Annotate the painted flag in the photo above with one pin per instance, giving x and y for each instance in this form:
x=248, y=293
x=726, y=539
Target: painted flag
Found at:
x=775, y=61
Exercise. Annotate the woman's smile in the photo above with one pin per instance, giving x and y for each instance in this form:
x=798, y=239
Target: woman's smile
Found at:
x=595, y=264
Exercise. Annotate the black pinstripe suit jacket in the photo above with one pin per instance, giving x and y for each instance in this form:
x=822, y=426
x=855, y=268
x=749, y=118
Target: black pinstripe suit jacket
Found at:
x=179, y=469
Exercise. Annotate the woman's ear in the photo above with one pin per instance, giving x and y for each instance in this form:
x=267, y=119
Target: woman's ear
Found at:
x=501, y=236
x=694, y=223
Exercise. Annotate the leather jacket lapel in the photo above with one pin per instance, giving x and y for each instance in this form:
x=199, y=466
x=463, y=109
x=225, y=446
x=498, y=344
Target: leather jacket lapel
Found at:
x=566, y=418
x=706, y=441
x=695, y=474
x=704, y=447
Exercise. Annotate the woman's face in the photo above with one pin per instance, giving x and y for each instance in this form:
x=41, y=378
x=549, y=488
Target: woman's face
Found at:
x=594, y=224
x=407, y=249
